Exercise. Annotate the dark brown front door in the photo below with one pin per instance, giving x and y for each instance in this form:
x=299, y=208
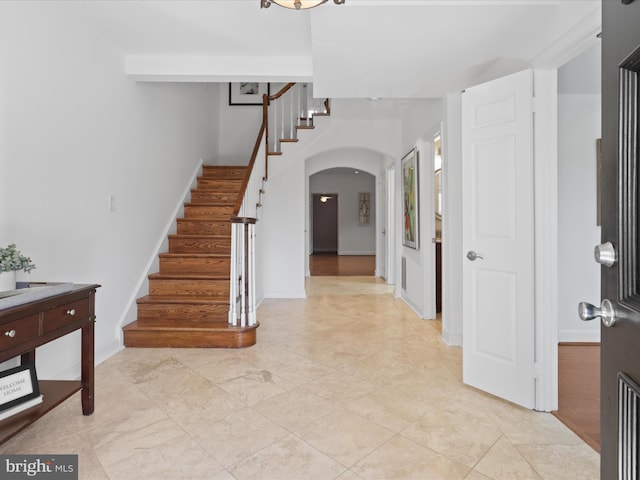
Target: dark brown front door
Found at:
x=620, y=357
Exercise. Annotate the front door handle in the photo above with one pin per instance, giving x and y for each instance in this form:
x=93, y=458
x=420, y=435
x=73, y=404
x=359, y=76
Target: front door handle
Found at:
x=471, y=255
x=605, y=254
x=606, y=312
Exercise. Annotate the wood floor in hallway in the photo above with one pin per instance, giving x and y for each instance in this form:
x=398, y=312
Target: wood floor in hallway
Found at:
x=323, y=265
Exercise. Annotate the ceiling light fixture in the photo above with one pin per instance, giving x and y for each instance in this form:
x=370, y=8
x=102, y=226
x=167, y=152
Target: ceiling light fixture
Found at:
x=297, y=4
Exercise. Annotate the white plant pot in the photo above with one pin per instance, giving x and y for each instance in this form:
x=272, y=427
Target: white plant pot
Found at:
x=7, y=281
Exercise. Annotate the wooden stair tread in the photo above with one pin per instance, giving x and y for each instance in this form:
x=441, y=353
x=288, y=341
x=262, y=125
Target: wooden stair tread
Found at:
x=305, y=127
x=186, y=276
x=289, y=140
x=194, y=336
x=211, y=219
x=198, y=236
x=182, y=300
x=217, y=191
x=275, y=153
x=210, y=204
x=194, y=255
x=159, y=326
x=210, y=166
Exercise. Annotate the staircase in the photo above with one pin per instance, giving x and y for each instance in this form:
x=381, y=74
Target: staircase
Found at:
x=192, y=301
x=188, y=301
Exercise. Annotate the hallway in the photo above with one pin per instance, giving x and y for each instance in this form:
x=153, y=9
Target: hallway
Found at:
x=348, y=384
x=322, y=265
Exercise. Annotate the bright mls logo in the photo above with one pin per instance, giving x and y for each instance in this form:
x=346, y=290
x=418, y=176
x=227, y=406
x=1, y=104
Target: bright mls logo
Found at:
x=50, y=467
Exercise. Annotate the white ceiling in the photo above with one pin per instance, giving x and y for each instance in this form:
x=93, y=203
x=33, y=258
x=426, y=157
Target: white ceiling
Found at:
x=365, y=48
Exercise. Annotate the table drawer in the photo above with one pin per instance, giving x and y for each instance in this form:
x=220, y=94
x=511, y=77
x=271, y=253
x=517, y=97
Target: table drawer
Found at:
x=65, y=314
x=19, y=331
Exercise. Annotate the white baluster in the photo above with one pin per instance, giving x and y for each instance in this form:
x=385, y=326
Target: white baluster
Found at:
x=282, y=109
x=243, y=293
x=233, y=314
x=252, y=275
x=300, y=104
x=292, y=113
x=276, y=137
x=309, y=104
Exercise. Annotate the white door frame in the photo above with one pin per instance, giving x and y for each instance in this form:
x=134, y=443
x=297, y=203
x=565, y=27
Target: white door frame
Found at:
x=390, y=268
x=546, y=65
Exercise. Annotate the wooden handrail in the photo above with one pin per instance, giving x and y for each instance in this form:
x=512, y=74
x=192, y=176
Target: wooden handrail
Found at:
x=282, y=91
x=265, y=122
x=242, y=288
x=264, y=129
x=245, y=182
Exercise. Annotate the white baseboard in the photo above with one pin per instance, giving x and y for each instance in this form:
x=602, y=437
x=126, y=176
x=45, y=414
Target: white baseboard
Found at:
x=108, y=351
x=102, y=354
x=579, y=336
x=346, y=252
x=452, y=339
x=411, y=305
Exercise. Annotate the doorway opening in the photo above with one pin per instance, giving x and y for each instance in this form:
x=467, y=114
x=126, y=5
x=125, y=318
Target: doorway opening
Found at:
x=438, y=211
x=325, y=223
x=579, y=219
x=342, y=223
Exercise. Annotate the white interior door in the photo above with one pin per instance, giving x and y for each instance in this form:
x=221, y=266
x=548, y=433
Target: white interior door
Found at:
x=498, y=229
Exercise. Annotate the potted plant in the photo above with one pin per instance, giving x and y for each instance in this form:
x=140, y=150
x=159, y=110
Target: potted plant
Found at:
x=11, y=261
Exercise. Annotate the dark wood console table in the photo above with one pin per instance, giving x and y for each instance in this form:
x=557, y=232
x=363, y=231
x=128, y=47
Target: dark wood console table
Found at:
x=30, y=325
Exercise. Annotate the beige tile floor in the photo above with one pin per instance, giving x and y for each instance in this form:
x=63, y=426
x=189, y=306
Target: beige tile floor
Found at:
x=348, y=384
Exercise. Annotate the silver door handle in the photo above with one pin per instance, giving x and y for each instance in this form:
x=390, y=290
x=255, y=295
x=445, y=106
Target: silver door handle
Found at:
x=606, y=312
x=471, y=255
x=605, y=254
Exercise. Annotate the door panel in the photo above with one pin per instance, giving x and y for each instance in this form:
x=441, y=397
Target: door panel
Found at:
x=620, y=344
x=494, y=197
x=497, y=202
x=496, y=344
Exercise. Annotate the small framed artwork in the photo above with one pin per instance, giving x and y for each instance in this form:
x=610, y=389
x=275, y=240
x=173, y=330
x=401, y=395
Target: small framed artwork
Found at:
x=364, y=208
x=247, y=93
x=410, y=192
x=18, y=385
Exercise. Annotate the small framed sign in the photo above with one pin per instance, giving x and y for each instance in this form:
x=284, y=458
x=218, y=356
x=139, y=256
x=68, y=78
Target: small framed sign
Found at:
x=18, y=385
x=247, y=93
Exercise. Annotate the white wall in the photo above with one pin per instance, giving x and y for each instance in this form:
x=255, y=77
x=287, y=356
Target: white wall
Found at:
x=420, y=123
x=353, y=238
x=286, y=203
x=578, y=273
x=238, y=130
x=364, y=160
x=238, y=127
x=452, y=253
x=73, y=130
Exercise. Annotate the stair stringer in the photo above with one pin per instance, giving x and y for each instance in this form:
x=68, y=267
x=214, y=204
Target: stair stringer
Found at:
x=142, y=284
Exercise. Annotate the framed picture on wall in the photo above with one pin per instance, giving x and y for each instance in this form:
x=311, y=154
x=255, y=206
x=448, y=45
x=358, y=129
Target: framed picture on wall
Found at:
x=410, y=217
x=247, y=93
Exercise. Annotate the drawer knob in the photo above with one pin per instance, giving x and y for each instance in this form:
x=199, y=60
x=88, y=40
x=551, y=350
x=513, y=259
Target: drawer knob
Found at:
x=10, y=333
x=71, y=312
